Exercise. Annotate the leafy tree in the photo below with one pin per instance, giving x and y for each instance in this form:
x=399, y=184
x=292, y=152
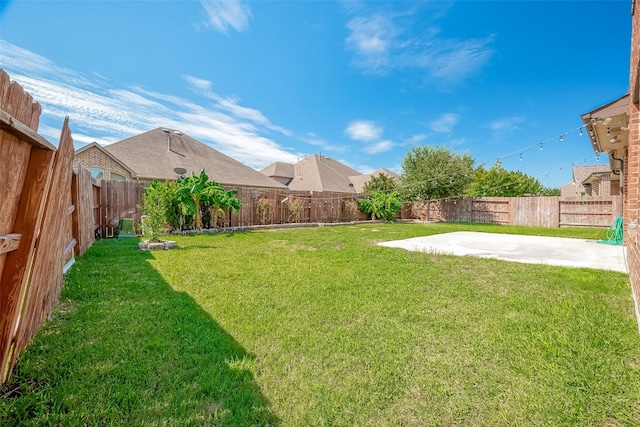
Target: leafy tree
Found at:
x=382, y=183
x=381, y=205
x=156, y=205
x=435, y=172
x=549, y=191
x=499, y=182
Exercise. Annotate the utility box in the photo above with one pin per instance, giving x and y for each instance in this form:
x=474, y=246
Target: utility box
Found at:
x=125, y=228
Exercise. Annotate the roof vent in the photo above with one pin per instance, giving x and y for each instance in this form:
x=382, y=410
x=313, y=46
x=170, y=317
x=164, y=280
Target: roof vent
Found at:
x=165, y=130
x=177, y=132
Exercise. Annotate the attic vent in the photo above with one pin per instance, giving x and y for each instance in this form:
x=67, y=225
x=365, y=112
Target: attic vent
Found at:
x=165, y=130
x=177, y=132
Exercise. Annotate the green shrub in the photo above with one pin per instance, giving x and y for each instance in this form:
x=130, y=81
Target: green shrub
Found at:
x=381, y=206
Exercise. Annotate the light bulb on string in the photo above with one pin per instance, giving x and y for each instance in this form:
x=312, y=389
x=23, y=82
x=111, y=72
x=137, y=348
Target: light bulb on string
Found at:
x=580, y=132
x=561, y=138
x=541, y=146
x=520, y=157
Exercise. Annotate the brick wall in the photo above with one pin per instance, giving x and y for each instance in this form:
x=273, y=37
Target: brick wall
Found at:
x=94, y=158
x=631, y=170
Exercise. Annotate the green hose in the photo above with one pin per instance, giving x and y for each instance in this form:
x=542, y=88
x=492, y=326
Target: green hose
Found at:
x=614, y=233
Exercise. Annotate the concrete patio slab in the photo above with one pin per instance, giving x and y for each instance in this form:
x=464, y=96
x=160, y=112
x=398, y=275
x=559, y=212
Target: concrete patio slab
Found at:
x=526, y=249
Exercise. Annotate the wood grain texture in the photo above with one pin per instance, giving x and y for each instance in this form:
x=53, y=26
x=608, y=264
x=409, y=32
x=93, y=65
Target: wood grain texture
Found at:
x=9, y=242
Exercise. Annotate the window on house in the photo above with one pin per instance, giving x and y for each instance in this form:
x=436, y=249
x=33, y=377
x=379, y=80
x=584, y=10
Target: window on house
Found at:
x=117, y=177
x=97, y=173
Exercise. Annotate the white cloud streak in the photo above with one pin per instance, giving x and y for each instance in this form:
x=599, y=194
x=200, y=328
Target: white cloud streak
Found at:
x=445, y=123
x=379, y=147
x=103, y=114
x=384, y=43
x=506, y=125
x=363, y=130
x=224, y=14
x=315, y=140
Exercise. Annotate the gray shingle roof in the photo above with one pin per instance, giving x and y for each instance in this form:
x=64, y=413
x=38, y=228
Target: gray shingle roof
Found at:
x=321, y=173
x=156, y=153
x=279, y=169
x=580, y=173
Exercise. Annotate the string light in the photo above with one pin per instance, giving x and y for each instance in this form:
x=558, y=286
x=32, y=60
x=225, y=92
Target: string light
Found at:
x=540, y=144
x=520, y=157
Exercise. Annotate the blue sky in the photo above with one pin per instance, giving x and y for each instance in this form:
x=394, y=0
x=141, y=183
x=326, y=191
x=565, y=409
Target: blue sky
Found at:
x=361, y=82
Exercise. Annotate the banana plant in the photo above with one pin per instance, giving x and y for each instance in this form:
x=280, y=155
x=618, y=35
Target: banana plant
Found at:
x=218, y=200
x=190, y=192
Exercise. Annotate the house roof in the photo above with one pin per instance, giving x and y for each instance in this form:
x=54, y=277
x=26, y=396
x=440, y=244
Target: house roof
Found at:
x=278, y=169
x=582, y=174
x=359, y=181
x=156, y=153
x=321, y=173
x=106, y=153
x=608, y=126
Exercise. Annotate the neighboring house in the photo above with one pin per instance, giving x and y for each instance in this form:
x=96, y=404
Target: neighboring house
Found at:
x=101, y=163
x=280, y=171
x=160, y=154
x=597, y=180
x=321, y=173
x=314, y=173
x=359, y=181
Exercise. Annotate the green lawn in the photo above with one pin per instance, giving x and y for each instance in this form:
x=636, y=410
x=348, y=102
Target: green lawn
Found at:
x=319, y=326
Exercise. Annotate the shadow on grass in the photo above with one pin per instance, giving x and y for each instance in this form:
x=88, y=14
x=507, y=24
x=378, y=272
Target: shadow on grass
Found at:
x=124, y=348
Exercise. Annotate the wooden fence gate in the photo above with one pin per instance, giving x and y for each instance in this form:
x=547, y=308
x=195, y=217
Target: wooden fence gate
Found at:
x=36, y=220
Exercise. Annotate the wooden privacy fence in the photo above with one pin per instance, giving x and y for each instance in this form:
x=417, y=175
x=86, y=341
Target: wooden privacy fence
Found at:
x=527, y=211
x=116, y=200
x=37, y=220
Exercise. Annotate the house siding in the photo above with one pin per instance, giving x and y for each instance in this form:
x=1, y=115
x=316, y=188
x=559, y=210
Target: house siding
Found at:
x=94, y=158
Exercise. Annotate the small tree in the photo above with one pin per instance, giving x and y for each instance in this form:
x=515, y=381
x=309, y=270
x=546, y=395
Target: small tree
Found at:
x=265, y=209
x=499, y=182
x=382, y=183
x=435, y=172
x=350, y=209
x=295, y=207
x=156, y=202
x=381, y=206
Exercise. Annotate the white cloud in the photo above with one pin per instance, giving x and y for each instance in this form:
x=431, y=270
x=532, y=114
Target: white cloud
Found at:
x=363, y=130
x=445, y=123
x=506, y=125
x=104, y=114
x=379, y=147
x=386, y=42
x=313, y=139
x=197, y=83
x=231, y=105
x=223, y=14
x=371, y=38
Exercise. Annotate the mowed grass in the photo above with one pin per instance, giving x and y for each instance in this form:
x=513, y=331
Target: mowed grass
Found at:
x=321, y=327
